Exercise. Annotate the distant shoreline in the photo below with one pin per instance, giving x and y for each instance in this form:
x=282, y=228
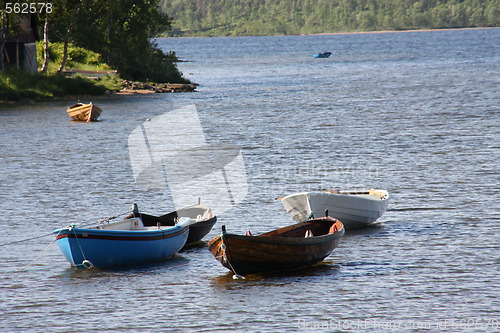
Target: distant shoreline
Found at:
x=396, y=31
x=343, y=33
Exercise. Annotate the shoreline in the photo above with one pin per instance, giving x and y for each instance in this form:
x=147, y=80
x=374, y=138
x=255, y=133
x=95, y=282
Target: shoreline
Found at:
x=396, y=31
x=133, y=89
x=341, y=33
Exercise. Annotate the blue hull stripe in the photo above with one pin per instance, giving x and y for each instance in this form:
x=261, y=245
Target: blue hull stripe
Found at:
x=143, y=237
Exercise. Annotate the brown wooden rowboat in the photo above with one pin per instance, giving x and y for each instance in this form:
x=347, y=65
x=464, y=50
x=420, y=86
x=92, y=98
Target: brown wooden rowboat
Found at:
x=297, y=245
x=84, y=112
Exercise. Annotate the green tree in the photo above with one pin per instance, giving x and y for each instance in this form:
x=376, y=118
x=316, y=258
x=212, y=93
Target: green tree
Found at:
x=247, y=17
x=121, y=31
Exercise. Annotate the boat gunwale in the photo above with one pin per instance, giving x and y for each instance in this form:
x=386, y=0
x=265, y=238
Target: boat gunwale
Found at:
x=205, y=223
x=284, y=240
x=124, y=236
x=353, y=194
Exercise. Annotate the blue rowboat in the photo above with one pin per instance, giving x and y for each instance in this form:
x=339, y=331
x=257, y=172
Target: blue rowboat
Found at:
x=322, y=55
x=124, y=242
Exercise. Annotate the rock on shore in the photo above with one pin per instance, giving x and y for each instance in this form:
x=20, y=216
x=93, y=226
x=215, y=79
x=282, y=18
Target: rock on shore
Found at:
x=132, y=86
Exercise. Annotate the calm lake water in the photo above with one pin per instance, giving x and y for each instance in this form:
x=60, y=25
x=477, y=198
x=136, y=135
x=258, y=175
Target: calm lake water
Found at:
x=416, y=113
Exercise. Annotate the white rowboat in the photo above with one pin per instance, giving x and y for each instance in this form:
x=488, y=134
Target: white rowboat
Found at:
x=353, y=208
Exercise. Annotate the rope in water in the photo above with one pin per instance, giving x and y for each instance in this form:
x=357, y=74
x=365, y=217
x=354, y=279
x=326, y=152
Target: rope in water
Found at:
x=158, y=269
x=40, y=255
x=235, y=276
x=107, y=219
x=81, y=250
x=24, y=240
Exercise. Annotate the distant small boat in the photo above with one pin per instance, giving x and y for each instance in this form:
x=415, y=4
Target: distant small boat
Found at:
x=322, y=55
x=294, y=246
x=354, y=208
x=84, y=112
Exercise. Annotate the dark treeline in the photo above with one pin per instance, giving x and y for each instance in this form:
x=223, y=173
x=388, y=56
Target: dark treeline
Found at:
x=267, y=17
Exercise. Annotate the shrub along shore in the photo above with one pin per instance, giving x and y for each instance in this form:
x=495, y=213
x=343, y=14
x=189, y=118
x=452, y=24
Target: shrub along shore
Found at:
x=86, y=75
x=18, y=85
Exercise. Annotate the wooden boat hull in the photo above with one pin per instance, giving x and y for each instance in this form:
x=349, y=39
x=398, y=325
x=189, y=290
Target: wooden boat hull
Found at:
x=354, y=208
x=280, y=249
x=114, y=246
x=84, y=112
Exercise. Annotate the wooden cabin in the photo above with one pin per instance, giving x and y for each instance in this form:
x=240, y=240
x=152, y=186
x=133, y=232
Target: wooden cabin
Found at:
x=20, y=51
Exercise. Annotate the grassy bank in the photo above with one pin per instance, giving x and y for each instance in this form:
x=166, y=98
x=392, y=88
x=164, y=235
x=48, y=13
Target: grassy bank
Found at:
x=78, y=58
x=79, y=79
x=16, y=84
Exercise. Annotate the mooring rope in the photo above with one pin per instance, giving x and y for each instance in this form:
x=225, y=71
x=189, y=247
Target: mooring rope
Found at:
x=55, y=238
x=41, y=254
x=106, y=219
x=24, y=240
x=79, y=245
x=236, y=276
x=158, y=269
